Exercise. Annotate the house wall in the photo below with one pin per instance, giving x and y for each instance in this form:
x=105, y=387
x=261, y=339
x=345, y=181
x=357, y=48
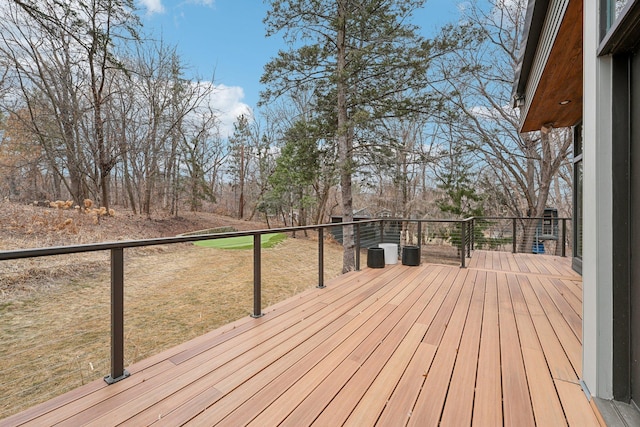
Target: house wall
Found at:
x=598, y=212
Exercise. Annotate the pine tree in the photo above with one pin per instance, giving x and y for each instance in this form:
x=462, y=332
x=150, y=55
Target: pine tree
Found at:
x=363, y=58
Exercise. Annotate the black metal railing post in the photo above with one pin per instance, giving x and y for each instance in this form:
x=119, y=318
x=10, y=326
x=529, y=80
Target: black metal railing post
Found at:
x=382, y=231
x=469, y=238
x=420, y=236
x=473, y=234
x=257, y=276
x=321, y=258
x=514, y=235
x=357, y=247
x=564, y=237
x=117, y=317
x=463, y=251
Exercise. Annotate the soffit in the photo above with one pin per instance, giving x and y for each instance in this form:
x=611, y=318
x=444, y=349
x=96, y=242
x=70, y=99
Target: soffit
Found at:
x=561, y=79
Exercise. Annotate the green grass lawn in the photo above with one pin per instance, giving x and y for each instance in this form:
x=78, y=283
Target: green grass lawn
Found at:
x=243, y=242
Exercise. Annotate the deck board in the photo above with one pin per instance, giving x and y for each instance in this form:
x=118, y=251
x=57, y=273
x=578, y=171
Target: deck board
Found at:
x=434, y=390
x=487, y=409
x=560, y=366
x=516, y=399
x=497, y=343
x=546, y=411
x=458, y=409
x=340, y=408
x=367, y=411
x=568, y=339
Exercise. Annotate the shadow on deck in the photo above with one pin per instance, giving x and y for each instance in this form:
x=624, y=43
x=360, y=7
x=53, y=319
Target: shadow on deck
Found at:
x=498, y=343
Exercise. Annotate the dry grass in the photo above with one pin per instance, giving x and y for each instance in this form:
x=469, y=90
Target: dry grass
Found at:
x=57, y=339
x=55, y=311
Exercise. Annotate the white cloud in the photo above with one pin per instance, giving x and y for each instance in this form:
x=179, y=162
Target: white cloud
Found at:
x=152, y=6
x=227, y=100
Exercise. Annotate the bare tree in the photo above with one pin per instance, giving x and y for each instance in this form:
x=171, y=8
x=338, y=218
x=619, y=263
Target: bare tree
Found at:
x=263, y=137
x=21, y=162
x=45, y=71
x=104, y=21
x=239, y=155
x=101, y=102
x=476, y=83
x=397, y=168
x=158, y=106
x=63, y=55
x=200, y=148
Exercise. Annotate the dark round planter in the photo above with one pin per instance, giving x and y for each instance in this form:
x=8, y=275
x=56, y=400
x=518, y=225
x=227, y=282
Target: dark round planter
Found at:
x=375, y=258
x=411, y=255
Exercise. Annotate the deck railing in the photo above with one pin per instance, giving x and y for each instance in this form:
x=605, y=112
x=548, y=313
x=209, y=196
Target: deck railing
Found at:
x=538, y=235
x=434, y=237
x=116, y=250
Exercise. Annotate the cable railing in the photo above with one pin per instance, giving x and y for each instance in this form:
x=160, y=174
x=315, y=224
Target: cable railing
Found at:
x=535, y=235
x=116, y=251
x=448, y=241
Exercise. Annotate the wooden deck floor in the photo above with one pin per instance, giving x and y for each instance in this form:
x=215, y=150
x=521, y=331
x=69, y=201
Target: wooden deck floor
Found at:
x=498, y=343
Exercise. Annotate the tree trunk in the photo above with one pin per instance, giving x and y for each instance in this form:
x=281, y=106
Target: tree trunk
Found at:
x=126, y=175
x=266, y=218
x=323, y=199
x=344, y=142
x=105, y=163
x=241, y=184
x=151, y=170
x=538, y=202
x=128, y=188
x=174, y=192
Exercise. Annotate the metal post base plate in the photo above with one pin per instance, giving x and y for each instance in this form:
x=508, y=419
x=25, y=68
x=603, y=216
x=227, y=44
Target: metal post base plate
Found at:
x=110, y=380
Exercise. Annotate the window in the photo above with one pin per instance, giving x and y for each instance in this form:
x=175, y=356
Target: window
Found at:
x=577, y=191
x=612, y=13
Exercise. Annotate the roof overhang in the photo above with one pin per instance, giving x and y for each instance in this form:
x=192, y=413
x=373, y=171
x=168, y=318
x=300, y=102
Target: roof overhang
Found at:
x=548, y=86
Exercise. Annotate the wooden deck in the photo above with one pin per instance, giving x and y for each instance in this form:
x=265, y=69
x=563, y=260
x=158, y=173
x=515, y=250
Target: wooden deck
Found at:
x=497, y=343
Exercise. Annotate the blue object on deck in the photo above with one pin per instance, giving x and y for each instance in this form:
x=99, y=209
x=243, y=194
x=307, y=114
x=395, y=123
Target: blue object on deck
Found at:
x=538, y=248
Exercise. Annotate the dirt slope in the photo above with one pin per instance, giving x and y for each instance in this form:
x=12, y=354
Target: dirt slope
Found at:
x=27, y=226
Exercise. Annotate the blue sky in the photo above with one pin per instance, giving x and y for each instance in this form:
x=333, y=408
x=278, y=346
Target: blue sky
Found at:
x=225, y=39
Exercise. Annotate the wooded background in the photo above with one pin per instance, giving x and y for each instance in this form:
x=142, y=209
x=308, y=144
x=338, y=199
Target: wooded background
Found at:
x=360, y=113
